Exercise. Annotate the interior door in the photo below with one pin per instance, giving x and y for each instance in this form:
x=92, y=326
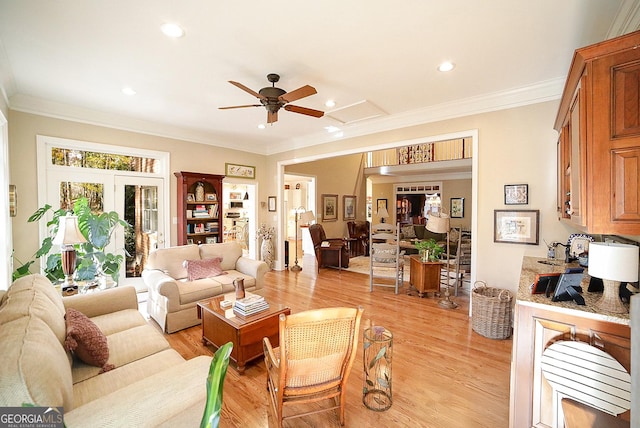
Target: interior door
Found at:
x=140, y=202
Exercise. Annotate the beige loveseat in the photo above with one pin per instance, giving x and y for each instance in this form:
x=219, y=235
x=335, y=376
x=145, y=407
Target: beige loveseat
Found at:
x=151, y=384
x=172, y=297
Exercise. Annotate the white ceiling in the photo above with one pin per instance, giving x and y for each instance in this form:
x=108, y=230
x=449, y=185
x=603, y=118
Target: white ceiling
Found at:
x=70, y=59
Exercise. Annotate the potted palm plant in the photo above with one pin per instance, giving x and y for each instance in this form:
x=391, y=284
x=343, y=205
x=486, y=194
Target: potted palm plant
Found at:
x=92, y=259
x=429, y=250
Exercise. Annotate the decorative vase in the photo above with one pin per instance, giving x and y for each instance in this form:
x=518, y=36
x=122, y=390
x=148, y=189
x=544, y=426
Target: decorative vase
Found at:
x=238, y=283
x=424, y=255
x=200, y=192
x=267, y=252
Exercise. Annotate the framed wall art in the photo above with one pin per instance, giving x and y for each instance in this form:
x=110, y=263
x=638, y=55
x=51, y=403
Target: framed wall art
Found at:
x=13, y=200
x=516, y=194
x=516, y=227
x=329, y=207
x=457, y=207
x=242, y=171
x=381, y=203
x=349, y=207
x=271, y=203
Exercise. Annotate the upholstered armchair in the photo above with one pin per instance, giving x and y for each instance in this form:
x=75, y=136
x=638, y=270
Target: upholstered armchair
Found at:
x=328, y=256
x=359, y=230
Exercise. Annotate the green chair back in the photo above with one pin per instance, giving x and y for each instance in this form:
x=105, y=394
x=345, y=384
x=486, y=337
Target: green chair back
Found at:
x=215, y=382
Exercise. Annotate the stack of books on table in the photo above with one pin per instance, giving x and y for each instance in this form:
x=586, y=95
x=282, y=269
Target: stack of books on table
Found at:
x=252, y=304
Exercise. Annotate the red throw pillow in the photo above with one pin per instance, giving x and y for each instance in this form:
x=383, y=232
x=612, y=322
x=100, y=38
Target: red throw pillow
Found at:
x=205, y=268
x=86, y=341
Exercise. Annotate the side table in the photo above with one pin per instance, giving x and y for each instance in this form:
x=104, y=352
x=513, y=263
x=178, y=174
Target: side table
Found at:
x=424, y=276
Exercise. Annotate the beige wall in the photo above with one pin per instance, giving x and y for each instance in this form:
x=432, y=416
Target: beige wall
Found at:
x=185, y=156
x=514, y=146
x=337, y=176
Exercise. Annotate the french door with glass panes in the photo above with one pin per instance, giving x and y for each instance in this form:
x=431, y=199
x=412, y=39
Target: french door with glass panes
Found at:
x=137, y=200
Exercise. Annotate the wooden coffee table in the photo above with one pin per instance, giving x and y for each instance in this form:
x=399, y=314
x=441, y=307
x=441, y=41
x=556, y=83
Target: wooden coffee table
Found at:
x=220, y=326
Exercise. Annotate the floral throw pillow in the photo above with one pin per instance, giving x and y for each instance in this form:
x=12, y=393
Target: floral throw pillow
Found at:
x=86, y=341
x=205, y=268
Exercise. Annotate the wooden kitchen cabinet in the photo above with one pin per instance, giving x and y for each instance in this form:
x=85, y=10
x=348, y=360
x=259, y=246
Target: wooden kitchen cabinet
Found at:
x=599, y=139
x=538, y=323
x=199, y=216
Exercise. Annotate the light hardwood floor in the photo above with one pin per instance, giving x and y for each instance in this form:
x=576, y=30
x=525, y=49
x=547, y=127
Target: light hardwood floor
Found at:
x=444, y=374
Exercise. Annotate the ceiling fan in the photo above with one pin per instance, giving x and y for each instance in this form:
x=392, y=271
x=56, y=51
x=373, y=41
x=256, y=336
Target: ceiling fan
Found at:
x=275, y=98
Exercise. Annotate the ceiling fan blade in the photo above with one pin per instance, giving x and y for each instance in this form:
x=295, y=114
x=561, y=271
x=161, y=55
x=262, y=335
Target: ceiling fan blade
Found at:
x=247, y=105
x=272, y=116
x=244, y=88
x=304, y=110
x=296, y=94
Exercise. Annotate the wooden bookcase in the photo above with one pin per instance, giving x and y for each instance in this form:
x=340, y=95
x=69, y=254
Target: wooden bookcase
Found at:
x=199, y=207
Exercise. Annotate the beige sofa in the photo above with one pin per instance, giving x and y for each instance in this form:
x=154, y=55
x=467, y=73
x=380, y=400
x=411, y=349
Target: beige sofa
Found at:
x=151, y=384
x=172, y=297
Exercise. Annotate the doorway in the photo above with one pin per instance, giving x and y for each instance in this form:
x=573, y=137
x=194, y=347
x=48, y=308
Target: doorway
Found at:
x=239, y=215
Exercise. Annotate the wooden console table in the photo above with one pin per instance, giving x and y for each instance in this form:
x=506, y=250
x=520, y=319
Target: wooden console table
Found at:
x=424, y=276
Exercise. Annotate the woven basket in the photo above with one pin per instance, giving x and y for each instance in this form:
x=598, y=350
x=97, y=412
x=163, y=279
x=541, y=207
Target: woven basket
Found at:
x=491, y=311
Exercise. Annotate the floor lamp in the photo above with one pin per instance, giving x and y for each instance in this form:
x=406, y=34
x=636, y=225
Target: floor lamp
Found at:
x=441, y=224
x=304, y=216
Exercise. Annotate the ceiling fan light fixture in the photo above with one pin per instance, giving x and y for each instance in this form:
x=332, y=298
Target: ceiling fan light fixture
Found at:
x=446, y=66
x=172, y=30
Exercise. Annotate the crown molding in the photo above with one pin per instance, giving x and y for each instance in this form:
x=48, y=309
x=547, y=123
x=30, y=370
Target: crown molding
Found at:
x=53, y=109
x=537, y=93
x=511, y=98
x=627, y=19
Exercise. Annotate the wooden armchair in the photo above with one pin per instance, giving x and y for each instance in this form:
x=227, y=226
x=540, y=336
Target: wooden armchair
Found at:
x=313, y=362
x=328, y=257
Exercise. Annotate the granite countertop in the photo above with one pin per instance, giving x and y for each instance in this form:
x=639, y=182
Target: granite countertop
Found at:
x=531, y=267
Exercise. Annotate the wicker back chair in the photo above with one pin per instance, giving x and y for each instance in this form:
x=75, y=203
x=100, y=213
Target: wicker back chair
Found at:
x=313, y=362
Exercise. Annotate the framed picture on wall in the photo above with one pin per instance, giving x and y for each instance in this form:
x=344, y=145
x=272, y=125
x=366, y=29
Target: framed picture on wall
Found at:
x=381, y=203
x=329, y=207
x=516, y=227
x=349, y=207
x=457, y=207
x=516, y=194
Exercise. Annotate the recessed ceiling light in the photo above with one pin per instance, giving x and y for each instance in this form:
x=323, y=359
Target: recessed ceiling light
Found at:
x=446, y=66
x=172, y=30
x=261, y=126
x=331, y=129
x=330, y=103
x=128, y=91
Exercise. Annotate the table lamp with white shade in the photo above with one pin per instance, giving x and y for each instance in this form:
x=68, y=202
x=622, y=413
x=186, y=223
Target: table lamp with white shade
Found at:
x=613, y=263
x=67, y=237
